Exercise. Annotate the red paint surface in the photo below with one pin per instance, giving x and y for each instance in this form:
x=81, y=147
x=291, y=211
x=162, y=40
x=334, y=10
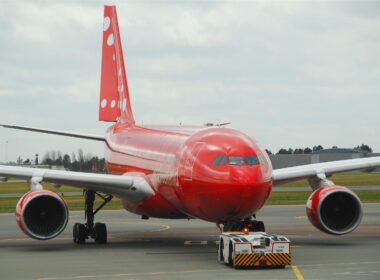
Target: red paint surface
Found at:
x=114, y=94
x=179, y=167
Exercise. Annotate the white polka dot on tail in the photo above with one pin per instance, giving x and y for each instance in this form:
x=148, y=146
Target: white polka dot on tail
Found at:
x=110, y=40
x=103, y=104
x=106, y=23
x=113, y=103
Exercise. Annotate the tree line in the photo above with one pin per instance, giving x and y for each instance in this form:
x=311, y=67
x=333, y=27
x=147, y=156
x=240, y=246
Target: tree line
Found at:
x=307, y=150
x=76, y=162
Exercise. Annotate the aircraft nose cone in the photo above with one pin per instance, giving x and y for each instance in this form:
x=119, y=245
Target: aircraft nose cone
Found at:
x=239, y=196
x=246, y=179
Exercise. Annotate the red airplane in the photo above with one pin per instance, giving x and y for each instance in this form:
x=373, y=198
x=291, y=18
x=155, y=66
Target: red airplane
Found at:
x=213, y=173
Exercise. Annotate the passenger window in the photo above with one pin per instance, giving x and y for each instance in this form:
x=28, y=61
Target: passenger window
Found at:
x=236, y=160
x=251, y=160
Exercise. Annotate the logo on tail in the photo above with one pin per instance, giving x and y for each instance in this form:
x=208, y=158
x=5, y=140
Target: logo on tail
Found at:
x=114, y=103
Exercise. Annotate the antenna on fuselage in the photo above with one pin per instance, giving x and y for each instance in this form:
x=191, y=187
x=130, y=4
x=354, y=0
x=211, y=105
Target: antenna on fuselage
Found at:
x=217, y=124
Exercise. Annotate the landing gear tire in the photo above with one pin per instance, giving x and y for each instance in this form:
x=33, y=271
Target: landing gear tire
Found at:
x=100, y=233
x=97, y=231
x=79, y=233
x=260, y=226
x=250, y=223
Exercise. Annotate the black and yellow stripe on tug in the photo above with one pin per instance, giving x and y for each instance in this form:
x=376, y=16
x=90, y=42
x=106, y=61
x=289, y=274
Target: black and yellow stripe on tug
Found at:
x=270, y=259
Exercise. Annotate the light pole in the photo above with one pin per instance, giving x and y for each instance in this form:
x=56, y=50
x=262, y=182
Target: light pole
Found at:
x=6, y=151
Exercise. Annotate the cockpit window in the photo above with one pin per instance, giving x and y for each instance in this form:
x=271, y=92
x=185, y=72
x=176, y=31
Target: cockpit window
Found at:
x=251, y=160
x=216, y=161
x=219, y=160
x=223, y=160
x=236, y=160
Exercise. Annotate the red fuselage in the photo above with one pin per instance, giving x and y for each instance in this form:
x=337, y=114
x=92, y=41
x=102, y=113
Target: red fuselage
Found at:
x=216, y=174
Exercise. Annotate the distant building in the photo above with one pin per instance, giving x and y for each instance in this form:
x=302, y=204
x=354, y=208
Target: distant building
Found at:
x=341, y=151
x=289, y=160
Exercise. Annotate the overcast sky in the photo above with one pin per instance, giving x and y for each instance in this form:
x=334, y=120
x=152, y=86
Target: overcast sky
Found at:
x=289, y=73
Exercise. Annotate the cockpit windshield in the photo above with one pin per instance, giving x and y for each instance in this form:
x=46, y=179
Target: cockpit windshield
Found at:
x=251, y=160
x=236, y=160
x=221, y=160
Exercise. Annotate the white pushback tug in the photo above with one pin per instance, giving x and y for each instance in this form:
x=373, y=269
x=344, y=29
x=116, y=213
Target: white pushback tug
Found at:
x=254, y=249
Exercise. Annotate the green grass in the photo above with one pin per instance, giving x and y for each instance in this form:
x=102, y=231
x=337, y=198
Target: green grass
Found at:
x=346, y=179
x=276, y=198
x=22, y=187
x=8, y=205
x=300, y=197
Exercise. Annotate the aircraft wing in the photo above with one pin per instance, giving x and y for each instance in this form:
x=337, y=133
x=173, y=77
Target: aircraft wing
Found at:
x=56, y=132
x=289, y=174
x=130, y=187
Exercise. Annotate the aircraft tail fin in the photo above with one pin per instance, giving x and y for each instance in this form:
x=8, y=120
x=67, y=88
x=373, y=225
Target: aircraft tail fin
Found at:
x=114, y=103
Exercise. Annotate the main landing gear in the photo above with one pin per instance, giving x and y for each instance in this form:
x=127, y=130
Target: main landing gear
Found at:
x=97, y=231
x=251, y=223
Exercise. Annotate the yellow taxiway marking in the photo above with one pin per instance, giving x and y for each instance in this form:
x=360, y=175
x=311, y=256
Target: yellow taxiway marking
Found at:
x=300, y=217
x=297, y=272
x=164, y=227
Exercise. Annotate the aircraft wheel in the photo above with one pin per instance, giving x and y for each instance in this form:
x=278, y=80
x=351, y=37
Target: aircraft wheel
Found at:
x=79, y=233
x=75, y=234
x=260, y=226
x=100, y=233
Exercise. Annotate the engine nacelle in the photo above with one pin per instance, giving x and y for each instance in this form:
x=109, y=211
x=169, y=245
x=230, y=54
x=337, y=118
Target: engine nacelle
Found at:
x=42, y=214
x=334, y=210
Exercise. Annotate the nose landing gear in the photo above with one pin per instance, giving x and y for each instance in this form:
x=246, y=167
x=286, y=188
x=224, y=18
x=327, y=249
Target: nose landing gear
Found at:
x=251, y=223
x=97, y=231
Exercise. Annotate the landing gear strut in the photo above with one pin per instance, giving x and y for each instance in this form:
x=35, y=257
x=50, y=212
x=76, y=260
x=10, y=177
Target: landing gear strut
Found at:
x=97, y=231
x=251, y=223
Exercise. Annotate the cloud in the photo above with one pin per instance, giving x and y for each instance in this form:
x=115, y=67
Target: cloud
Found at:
x=293, y=74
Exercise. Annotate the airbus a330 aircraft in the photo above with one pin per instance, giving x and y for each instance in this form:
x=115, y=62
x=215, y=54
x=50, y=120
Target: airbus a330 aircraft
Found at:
x=215, y=173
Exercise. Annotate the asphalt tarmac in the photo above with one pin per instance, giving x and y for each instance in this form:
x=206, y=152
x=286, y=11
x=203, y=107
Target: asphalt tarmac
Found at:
x=180, y=249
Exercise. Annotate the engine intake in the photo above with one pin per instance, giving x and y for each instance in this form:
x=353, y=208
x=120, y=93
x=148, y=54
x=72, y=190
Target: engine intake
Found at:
x=42, y=214
x=334, y=210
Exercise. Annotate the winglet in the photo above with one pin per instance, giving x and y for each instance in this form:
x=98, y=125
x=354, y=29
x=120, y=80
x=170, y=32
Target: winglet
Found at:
x=114, y=103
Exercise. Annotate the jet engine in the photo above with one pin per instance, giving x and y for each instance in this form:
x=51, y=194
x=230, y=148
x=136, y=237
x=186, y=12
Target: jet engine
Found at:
x=334, y=210
x=42, y=214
